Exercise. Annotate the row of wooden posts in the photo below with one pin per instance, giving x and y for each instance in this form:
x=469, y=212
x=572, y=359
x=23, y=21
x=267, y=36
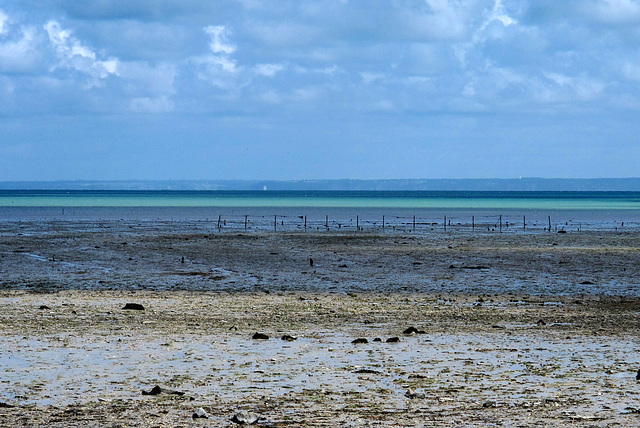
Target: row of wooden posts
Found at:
x=222, y=222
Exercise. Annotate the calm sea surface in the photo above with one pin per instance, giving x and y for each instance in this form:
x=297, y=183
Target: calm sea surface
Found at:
x=341, y=208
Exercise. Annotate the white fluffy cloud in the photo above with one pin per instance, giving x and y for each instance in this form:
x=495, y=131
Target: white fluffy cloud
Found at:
x=72, y=54
x=218, y=67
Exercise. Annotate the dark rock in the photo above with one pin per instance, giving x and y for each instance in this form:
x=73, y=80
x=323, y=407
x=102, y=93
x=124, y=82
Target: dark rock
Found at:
x=418, y=376
x=488, y=404
x=134, y=307
x=638, y=375
x=393, y=340
x=288, y=338
x=562, y=231
x=157, y=390
x=499, y=327
x=310, y=262
x=586, y=283
x=4, y=405
x=377, y=339
x=413, y=395
x=44, y=307
x=243, y=417
x=412, y=330
x=360, y=340
x=200, y=413
x=366, y=371
x=541, y=322
x=260, y=336
x=475, y=267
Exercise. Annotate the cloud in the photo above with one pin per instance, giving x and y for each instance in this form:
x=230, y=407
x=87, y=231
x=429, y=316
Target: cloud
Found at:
x=219, y=40
x=4, y=21
x=614, y=11
x=72, y=54
x=156, y=105
x=20, y=55
x=268, y=70
x=218, y=67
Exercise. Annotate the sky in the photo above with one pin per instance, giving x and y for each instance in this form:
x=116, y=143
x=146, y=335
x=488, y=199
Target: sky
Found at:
x=318, y=89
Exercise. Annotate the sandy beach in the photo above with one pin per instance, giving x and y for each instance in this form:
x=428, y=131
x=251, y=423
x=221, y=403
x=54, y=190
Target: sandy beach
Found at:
x=509, y=329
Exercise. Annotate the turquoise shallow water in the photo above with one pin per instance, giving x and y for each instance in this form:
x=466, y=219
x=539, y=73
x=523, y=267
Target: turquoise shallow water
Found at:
x=298, y=210
x=335, y=199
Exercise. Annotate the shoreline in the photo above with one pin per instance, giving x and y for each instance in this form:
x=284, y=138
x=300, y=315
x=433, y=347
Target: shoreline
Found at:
x=529, y=329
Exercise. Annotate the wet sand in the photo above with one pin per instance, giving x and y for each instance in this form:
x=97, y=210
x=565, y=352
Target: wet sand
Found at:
x=516, y=329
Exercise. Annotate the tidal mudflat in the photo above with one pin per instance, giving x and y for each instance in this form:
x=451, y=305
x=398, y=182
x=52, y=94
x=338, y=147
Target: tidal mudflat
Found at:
x=509, y=329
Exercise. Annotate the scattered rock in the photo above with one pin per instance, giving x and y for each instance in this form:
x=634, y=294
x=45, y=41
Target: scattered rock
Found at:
x=377, y=339
x=260, y=336
x=133, y=307
x=4, y=405
x=44, y=307
x=562, y=231
x=157, y=390
x=288, y=338
x=475, y=267
x=412, y=330
x=541, y=322
x=411, y=394
x=418, y=376
x=499, y=327
x=243, y=417
x=587, y=283
x=310, y=262
x=200, y=413
x=393, y=340
x=366, y=371
x=489, y=404
x=638, y=375
x=360, y=340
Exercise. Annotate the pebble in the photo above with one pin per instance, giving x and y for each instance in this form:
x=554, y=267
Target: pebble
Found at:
x=134, y=307
x=157, y=390
x=411, y=394
x=244, y=417
x=200, y=413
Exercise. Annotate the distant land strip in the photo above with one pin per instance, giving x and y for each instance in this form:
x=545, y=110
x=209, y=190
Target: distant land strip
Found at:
x=483, y=184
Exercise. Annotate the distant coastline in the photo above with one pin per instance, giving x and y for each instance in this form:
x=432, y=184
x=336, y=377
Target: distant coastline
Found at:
x=501, y=185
